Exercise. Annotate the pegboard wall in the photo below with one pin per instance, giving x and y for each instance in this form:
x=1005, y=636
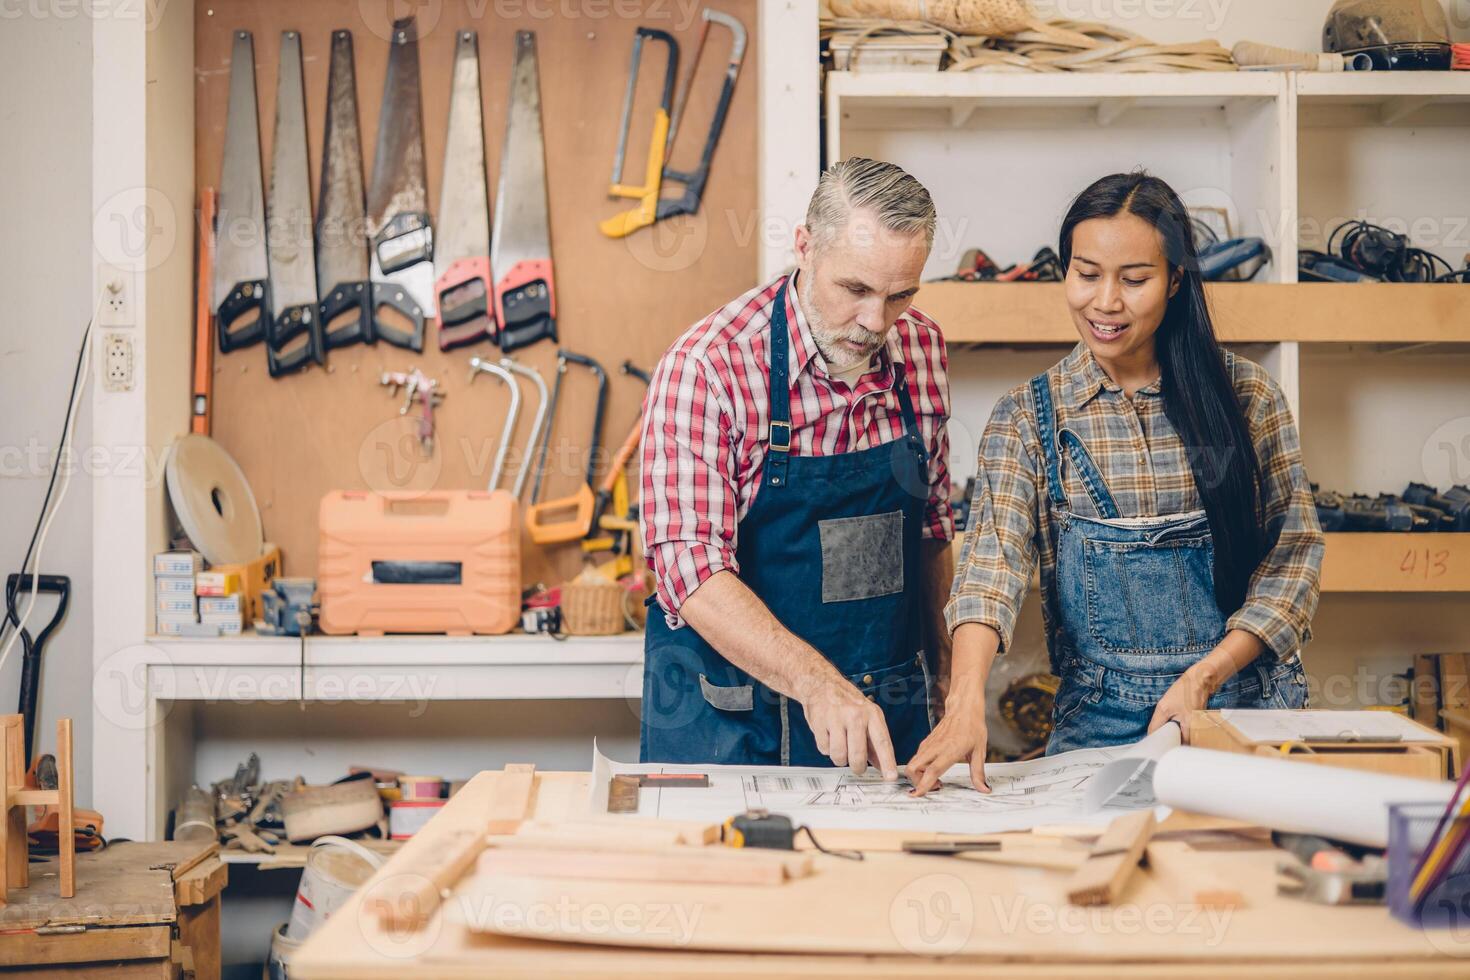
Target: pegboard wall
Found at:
x=298, y=436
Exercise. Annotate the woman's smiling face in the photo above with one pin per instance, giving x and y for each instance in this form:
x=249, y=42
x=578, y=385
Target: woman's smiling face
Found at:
x=1118, y=285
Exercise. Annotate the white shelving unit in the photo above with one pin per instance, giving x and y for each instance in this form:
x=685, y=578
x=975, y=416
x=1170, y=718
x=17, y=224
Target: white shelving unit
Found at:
x=1378, y=376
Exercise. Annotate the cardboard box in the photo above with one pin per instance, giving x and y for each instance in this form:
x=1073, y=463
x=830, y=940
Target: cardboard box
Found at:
x=175, y=605
x=1433, y=758
x=232, y=606
x=174, y=585
x=216, y=583
x=178, y=563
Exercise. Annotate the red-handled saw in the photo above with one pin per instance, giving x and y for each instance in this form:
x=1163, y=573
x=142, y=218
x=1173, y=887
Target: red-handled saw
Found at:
x=520, y=243
x=462, y=254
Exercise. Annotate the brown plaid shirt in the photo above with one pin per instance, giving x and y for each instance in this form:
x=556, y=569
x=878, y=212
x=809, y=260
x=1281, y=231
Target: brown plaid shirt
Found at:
x=1147, y=469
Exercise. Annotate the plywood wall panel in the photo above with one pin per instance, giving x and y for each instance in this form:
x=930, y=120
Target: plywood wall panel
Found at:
x=300, y=436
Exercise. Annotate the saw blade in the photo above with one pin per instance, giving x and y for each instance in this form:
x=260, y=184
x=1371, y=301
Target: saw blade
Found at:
x=240, y=250
x=522, y=223
x=289, y=227
x=341, y=236
x=464, y=213
x=397, y=199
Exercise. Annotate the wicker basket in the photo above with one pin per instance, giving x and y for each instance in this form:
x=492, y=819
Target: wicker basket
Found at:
x=592, y=605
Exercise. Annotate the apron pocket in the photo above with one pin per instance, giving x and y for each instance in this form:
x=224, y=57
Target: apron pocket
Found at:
x=740, y=698
x=1152, y=598
x=862, y=557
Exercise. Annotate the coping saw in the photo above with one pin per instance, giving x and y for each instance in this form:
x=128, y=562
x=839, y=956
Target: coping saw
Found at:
x=292, y=259
x=520, y=240
x=462, y=255
x=240, y=277
x=539, y=518
x=694, y=181
x=397, y=199
x=342, y=274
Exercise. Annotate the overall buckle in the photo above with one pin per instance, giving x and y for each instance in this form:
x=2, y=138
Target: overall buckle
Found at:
x=785, y=446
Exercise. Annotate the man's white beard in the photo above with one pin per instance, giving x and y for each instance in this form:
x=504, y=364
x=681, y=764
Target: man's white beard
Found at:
x=827, y=338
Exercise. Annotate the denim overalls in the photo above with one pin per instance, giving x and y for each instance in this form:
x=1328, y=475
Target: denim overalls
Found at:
x=1134, y=608
x=831, y=546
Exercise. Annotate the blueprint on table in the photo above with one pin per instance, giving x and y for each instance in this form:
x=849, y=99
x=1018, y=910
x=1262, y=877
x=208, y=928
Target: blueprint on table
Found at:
x=1084, y=786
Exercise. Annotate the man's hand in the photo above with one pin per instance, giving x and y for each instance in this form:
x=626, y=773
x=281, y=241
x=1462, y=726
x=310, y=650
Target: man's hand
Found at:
x=960, y=737
x=850, y=730
x=1188, y=694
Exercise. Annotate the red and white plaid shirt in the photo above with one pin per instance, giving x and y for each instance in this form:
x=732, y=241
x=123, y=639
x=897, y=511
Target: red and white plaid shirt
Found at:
x=707, y=415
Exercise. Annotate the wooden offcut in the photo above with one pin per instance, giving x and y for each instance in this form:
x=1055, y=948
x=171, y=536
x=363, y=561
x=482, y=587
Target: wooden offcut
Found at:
x=690, y=865
x=1101, y=878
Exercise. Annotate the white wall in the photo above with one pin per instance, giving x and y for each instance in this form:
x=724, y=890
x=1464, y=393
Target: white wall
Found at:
x=46, y=275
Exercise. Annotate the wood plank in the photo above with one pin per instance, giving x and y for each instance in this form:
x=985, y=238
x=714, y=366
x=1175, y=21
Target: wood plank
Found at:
x=1424, y=702
x=1036, y=313
x=87, y=946
x=705, y=865
x=1100, y=879
x=201, y=883
x=1396, y=562
x=296, y=438
x=199, y=932
x=492, y=802
x=66, y=787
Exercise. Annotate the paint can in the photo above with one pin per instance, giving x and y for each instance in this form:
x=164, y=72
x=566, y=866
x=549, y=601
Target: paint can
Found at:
x=335, y=868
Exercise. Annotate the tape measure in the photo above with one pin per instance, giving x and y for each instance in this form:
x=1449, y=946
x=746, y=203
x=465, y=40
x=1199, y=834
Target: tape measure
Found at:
x=773, y=831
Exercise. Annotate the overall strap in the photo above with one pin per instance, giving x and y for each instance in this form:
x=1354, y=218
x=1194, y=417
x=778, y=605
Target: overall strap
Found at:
x=1087, y=471
x=1046, y=429
x=910, y=420
x=1092, y=478
x=778, y=435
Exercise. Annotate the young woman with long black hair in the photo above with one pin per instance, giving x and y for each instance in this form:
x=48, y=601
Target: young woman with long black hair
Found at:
x=1157, y=480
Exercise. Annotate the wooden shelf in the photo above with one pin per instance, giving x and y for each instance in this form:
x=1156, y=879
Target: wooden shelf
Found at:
x=1397, y=563
x=1384, y=98
x=1036, y=313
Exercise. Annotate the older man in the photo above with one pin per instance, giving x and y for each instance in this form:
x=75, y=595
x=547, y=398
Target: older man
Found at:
x=795, y=485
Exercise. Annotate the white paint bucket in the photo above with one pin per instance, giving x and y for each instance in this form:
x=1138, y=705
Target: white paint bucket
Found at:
x=283, y=947
x=335, y=868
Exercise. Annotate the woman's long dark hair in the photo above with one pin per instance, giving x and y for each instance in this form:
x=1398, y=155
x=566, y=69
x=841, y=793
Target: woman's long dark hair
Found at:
x=1199, y=398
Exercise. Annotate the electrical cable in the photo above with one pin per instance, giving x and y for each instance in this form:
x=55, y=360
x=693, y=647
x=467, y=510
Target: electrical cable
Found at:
x=44, y=521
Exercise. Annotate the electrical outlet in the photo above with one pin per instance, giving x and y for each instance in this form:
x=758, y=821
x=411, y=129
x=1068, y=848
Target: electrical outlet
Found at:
x=117, y=297
x=117, y=362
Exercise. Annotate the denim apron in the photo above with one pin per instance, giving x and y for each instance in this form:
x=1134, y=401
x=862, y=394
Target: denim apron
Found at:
x=831, y=546
x=1134, y=608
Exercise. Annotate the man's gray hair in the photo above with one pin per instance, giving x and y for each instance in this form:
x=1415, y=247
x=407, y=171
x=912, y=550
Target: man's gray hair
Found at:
x=900, y=202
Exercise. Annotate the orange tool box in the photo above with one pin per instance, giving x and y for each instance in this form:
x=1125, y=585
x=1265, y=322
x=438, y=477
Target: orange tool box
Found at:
x=402, y=562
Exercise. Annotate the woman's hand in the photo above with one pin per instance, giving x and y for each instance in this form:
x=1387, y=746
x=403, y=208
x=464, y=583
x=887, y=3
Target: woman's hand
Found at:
x=960, y=737
x=1192, y=691
x=1188, y=694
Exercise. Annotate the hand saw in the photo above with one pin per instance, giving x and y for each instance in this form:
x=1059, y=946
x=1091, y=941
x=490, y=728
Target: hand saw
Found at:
x=520, y=243
x=397, y=201
x=292, y=259
x=240, y=283
x=462, y=254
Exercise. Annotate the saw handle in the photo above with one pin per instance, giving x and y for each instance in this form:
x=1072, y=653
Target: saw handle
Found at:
x=290, y=324
x=343, y=297
x=464, y=294
x=397, y=298
x=253, y=294
x=525, y=304
x=407, y=239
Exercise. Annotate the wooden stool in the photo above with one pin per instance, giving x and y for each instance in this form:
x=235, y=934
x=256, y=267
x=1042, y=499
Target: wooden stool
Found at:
x=15, y=868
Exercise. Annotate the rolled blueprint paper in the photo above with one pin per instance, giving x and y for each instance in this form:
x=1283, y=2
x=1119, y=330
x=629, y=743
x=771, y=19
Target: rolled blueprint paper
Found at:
x=1301, y=797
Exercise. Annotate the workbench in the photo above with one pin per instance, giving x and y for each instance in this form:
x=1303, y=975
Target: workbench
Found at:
x=1007, y=921
x=141, y=910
